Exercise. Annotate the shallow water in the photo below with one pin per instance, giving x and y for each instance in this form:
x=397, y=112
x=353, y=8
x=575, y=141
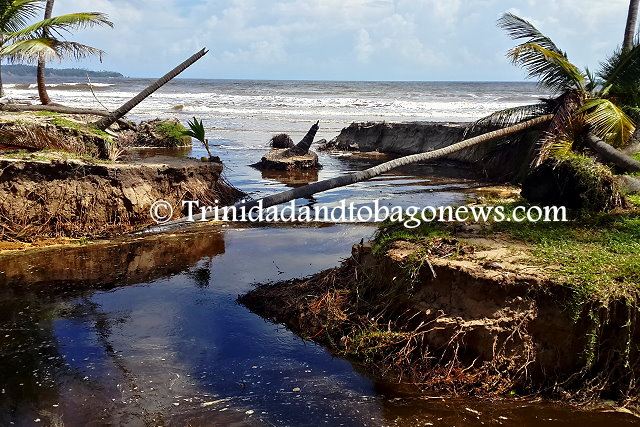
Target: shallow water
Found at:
x=147, y=332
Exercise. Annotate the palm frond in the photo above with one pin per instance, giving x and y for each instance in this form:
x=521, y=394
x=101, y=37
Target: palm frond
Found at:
x=196, y=130
x=63, y=23
x=622, y=70
x=552, y=69
x=31, y=50
x=519, y=28
x=592, y=81
x=507, y=117
x=562, y=145
x=15, y=14
x=608, y=121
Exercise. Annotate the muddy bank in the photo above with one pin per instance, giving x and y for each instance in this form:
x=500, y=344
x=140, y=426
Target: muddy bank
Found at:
x=77, y=197
x=463, y=318
x=495, y=161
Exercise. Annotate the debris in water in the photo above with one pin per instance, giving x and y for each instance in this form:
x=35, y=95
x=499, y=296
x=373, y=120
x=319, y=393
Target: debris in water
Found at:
x=250, y=412
x=205, y=404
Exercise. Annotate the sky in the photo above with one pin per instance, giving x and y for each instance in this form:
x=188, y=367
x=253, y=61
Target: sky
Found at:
x=386, y=40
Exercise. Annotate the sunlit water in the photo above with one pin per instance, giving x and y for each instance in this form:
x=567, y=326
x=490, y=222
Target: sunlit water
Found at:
x=146, y=331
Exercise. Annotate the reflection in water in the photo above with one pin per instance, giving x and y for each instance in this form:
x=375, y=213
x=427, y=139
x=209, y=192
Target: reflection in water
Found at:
x=148, y=333
x=293, y=179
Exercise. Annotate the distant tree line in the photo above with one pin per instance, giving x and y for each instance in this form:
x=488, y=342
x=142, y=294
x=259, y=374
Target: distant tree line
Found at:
x=31, y=70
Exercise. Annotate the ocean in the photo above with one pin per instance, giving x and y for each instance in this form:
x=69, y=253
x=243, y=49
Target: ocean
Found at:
x=248, y=112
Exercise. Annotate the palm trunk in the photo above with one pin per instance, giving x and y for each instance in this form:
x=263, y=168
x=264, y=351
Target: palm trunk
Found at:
x=341, y=181
x=1, y=87
x=303, y=146
x=42, y=87
x=610, y=154
x=120, y=112
x=630, y=29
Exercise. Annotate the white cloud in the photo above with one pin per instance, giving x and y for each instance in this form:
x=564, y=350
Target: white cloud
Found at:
x=345, y=39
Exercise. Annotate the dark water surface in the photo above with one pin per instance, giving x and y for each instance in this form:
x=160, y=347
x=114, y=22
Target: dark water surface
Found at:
x=147, y=332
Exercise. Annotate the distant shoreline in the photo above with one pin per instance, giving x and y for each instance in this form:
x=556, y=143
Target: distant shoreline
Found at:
x=9, y=71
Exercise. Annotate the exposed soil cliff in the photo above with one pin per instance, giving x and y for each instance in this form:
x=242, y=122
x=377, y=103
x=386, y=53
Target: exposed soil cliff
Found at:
x=457, y=317
x=75, y=197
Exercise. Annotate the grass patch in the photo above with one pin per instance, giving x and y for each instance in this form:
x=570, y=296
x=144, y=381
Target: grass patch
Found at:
x=636, y=157
x=389, y=232
x=46, y=113
x=596, y=254
x=174, y=132
x=66, y=123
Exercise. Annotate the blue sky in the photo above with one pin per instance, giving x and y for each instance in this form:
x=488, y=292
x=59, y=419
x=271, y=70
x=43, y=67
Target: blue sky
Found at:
x=425, y=40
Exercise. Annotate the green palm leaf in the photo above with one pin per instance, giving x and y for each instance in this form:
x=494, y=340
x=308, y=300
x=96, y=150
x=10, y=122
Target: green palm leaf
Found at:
x=622, y=70
x=519, y=28
x=552, y=69
x=608, y=121
x=196, y=130
x=63, y=23
x=29, y=51
x=15, y=14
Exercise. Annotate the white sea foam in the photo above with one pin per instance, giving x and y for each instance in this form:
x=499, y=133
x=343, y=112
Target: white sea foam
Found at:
x=273, y=106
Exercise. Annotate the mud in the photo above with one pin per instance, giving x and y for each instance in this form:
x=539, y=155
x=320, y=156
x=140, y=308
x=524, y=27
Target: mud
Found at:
x=74, y=198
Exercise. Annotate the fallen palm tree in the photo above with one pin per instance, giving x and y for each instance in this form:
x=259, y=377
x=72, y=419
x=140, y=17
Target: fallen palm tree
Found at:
x=129, y=105
x=341, y=181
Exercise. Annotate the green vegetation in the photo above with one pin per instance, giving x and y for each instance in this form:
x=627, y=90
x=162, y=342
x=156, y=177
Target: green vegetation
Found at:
x=636, y=156
x=590, y=181
x=46, y=113
x=389, y=232
x=586, y=108
x=22, y=70
x=109, y=149
x=174, y=132
x=66, y=123
x=50, y=154
x=596, y=254
x=197, y=131
x=42, y=41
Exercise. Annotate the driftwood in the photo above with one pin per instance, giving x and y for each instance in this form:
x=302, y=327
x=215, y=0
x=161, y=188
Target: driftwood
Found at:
x=129, y=105
x=64, y=110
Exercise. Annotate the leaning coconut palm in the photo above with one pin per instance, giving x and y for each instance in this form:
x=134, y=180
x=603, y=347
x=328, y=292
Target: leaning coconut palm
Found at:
x=14, y=15
x=44, y=41
x=585, y=107
x=83, y=19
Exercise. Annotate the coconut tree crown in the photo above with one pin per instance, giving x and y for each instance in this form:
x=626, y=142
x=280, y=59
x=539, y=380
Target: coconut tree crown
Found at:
x=46, y=39
x=606, y=103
